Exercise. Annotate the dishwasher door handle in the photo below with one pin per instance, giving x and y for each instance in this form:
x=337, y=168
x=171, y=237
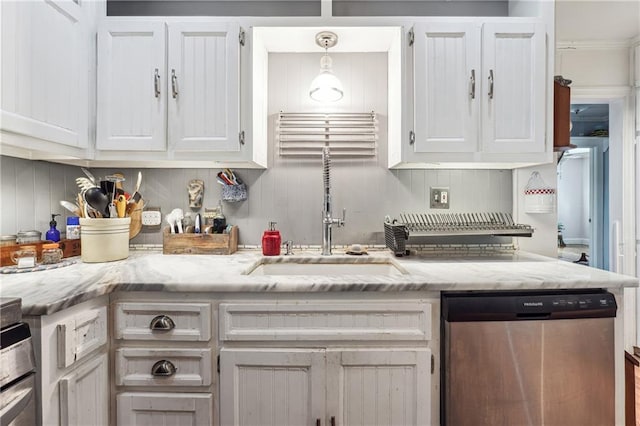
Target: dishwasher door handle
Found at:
x=534, y=316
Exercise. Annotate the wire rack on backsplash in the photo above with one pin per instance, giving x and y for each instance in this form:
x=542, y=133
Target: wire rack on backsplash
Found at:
x=396, y=232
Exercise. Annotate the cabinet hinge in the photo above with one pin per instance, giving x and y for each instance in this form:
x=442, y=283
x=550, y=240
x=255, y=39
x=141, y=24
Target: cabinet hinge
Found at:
x=412, y=137
x=218, y=364
x=412, y=37
x=241, y=37
x=241, y=137
x=433, y=364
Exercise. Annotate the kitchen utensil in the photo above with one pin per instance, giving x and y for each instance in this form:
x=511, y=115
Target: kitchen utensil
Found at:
x=171, y=221
x=231, y=176
x=136, y=218
x=97, y=199
x=135, y=197
x=224, y=177
x=89, y=175
x=84, y=183
x=73, y=208
x=121, y=205
x=121, y=179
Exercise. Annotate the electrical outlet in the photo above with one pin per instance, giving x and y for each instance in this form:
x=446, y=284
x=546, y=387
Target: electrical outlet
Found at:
x=151, y=217
x=440, y=198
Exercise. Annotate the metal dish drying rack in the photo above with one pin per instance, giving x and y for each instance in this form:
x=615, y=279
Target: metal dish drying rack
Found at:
x=449, y=224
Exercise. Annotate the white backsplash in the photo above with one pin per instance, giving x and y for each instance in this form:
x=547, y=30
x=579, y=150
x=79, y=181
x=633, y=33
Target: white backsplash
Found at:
x=290, y=190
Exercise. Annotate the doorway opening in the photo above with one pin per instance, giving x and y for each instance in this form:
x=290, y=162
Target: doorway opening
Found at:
x=583, y=189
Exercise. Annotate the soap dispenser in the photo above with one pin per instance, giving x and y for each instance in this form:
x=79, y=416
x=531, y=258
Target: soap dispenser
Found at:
x=53, y=234
x=271, y=241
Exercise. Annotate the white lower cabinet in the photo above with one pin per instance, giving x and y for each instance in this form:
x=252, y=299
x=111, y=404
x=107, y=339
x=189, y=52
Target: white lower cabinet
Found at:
x=168, y=409
x=163, y=362
x=325, y=386
x=272, y=386
x=83, y=393
x=72, y=365
x=328, y=363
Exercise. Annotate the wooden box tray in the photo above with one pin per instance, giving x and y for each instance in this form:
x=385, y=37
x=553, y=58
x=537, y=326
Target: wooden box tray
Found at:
x=69, y=248
x=200, y=243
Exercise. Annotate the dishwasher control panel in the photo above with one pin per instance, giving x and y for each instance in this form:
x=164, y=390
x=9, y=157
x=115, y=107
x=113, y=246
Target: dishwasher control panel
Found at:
x=509, y=306
x=552, y=303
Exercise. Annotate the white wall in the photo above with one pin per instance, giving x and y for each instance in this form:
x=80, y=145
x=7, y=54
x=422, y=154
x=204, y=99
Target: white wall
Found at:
x=573, y=199
x=544, y=240
x=589, y=65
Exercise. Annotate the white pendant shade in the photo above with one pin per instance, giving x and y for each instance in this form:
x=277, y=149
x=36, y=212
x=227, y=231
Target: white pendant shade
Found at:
x=326, y=87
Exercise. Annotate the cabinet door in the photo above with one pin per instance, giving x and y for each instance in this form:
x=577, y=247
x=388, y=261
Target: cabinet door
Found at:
x=131, y=87
x=272, y=387
x=513, y=89
x=45, y=68
x=84, y=394
x=203, y=87
x=80, y=335
x=385, y=387
x=447, y=87
x=147, y=408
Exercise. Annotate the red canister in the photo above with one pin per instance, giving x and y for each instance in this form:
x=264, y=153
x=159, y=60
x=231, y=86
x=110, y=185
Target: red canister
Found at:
x=271, y=241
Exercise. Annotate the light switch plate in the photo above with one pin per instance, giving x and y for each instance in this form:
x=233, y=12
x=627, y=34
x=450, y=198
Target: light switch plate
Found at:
x=440, y=198
x=151, y=217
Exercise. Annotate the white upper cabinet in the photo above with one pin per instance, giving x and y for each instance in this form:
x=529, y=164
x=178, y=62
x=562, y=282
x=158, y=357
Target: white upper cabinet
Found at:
x=203, y=86
x=168, y=87
x=45, y=75
x=132, y=94
x=447, y=70
x=514, y=81
x=479, y=94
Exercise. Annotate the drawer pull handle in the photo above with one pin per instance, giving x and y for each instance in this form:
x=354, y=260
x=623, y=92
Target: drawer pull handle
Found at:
x=162, y=323
x=163, y=368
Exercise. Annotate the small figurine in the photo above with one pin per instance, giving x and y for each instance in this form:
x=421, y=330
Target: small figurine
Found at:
x=196, y=193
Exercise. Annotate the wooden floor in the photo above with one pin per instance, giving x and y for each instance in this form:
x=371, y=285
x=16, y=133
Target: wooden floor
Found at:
x=571, y=252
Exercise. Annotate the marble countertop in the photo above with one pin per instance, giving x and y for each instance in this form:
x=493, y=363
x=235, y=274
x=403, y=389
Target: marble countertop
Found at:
x=46, y=292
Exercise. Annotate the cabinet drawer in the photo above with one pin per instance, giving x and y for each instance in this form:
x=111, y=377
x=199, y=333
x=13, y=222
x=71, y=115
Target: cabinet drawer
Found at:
x=348, y=321
x=163, y=321
x=161, y=367
x=146, y=408
x=80, y=335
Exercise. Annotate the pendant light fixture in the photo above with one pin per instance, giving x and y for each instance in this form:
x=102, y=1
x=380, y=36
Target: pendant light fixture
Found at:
x=326, y=87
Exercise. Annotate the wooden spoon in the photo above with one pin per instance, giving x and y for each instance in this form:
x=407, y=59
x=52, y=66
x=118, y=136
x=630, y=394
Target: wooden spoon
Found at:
x=136, y=219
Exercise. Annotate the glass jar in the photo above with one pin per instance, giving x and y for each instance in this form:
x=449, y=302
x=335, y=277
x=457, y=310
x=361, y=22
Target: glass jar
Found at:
x=25, y=257
x=51, y=253
x=28, y=237
x=7, y=240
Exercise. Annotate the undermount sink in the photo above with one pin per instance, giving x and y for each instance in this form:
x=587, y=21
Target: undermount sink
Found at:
x=325, y=266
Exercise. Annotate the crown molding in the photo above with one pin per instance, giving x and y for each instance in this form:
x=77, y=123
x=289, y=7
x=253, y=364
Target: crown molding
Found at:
x=595, y=44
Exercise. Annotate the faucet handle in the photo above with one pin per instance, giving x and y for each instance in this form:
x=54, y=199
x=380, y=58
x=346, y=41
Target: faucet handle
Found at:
x=288, y=245
x=344, y=215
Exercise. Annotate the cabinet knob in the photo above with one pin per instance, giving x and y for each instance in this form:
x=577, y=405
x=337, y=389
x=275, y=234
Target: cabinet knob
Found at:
x=162, y=323
x=163, y=368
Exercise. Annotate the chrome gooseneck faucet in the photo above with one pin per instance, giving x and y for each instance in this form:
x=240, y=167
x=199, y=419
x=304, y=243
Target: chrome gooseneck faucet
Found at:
x=327, y=218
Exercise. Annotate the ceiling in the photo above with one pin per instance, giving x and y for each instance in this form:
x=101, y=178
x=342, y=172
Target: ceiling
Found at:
x=589, y=20
x=589, y=112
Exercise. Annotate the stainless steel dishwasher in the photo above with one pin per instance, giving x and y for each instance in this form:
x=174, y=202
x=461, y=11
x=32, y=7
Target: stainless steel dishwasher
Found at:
x=528, y=358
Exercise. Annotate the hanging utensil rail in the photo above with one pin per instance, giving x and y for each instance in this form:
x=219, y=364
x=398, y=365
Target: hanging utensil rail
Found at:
x=347, y=134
